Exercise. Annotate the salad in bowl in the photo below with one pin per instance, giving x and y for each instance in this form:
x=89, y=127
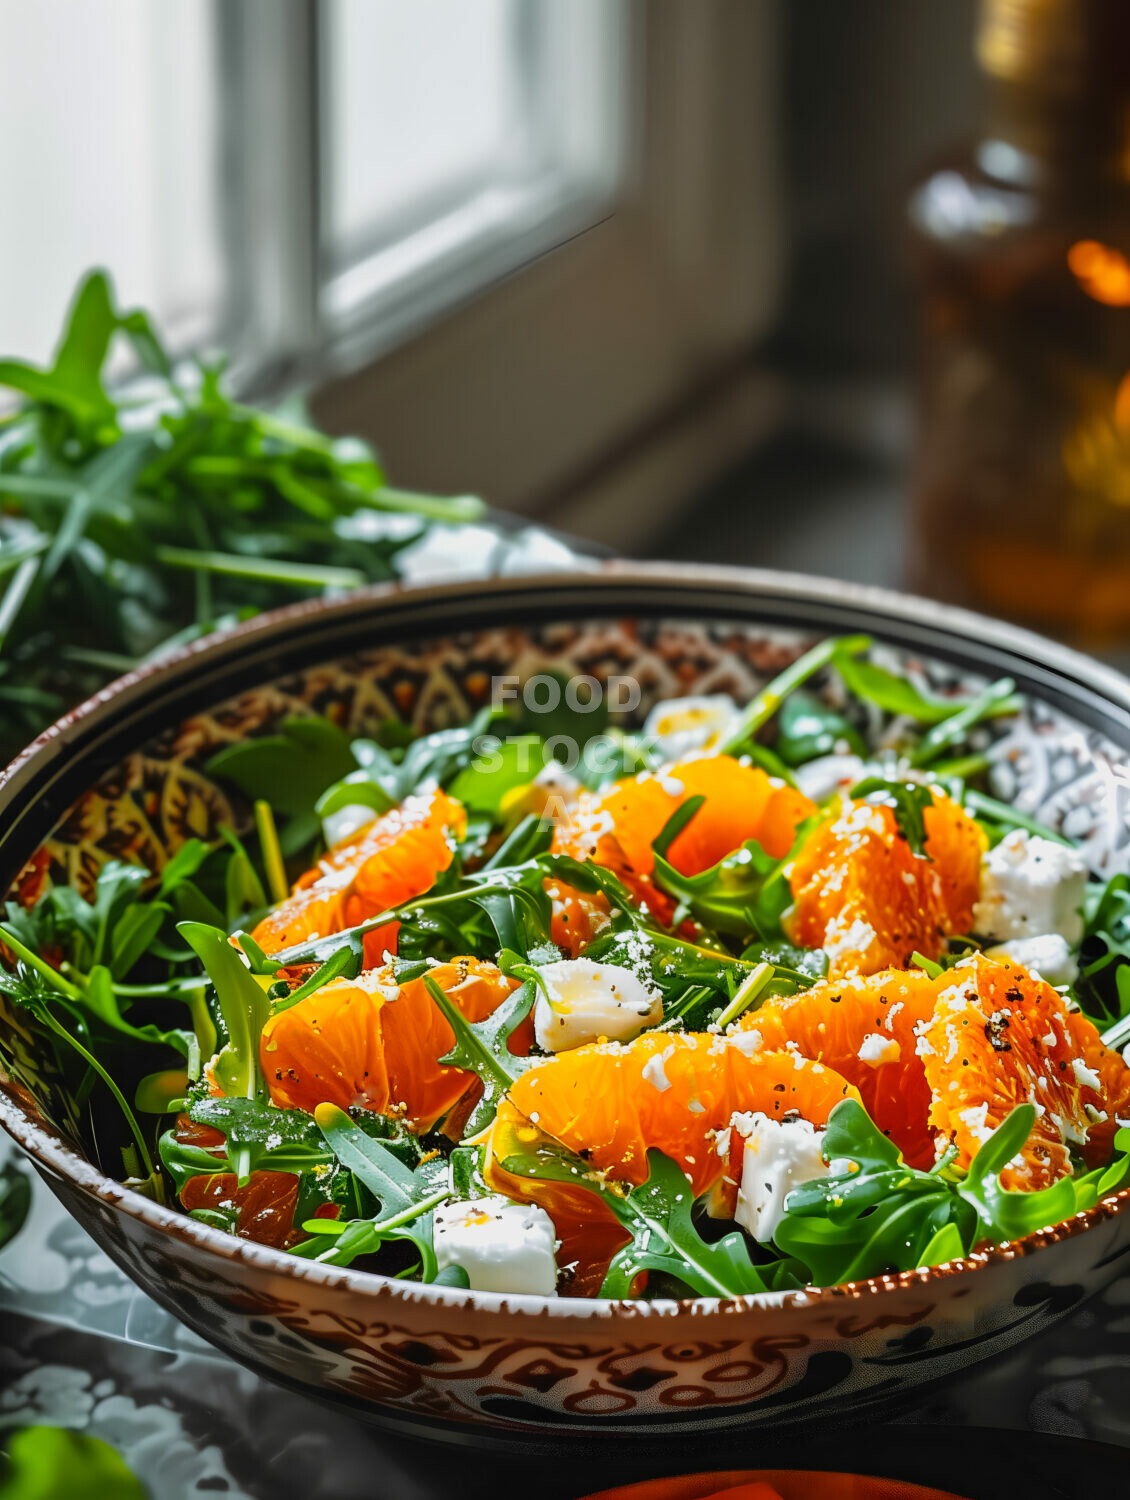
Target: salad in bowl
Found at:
x=742, y=998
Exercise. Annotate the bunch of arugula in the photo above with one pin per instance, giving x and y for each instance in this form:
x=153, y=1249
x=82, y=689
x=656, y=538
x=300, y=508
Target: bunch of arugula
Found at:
x=133, y=522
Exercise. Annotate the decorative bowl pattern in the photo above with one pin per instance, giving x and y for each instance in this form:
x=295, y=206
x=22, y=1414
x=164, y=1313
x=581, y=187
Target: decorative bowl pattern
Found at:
x=121, y=777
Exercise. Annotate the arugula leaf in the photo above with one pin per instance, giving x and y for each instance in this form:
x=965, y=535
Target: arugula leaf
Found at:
x=406, y=1203
x=891, y=692
x=873, y=1213
x=482, y=785
x=998, y=698
x=290, y=769
x=243, y=1004
x=256, y=1136
x=38, y=988
x=775, y=693
x=657, y=1216
x=482, y=1047
x=728, y=896
x=808, y=727
x=1103, y=986
x=908, y=800
x=996, y=817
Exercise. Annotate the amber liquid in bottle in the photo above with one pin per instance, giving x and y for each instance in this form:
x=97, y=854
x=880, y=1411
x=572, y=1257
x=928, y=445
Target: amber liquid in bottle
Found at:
x=1022, y=470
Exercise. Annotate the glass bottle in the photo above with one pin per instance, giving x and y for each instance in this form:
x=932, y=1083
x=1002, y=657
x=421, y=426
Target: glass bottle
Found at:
x=1021, y=477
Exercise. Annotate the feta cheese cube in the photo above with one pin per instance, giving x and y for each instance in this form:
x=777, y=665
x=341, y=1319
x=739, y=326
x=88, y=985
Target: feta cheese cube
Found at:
x=348, y=820
x=777, y=1156
x=683, y=726
x=502, y=1246
x=826, y=774
x=1048, y=957
x=587, y=1001
x=1030, y=886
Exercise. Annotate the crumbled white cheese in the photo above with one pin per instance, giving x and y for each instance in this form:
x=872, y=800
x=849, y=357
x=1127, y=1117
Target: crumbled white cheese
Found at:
x=856, y=937
x=975, y=1119
x=553, y=777
x=777, y=1156
x=655, y=1072
x=749, y=1042
x=584, y=1001
x=685, y=726
x=502, y=1246
x=1030, y=886
x=1086, y=1077
x=875, y=1050
x=1047, y=956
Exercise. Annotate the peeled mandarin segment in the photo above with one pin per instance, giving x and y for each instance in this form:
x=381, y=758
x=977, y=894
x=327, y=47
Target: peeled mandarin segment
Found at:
x=599, y=1103
x=836, y=1021
x=999, y=1038
x=860, y=891
x=1112, y=1096
x=371, y=1044
x=742, y=802
x=616, y=829
x=613, y=1103
x=266, y=1203
x=392, y=859
x=576, y=917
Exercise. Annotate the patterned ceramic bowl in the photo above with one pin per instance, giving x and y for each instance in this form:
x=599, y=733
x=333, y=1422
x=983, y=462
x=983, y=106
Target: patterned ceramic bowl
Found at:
x=122, y=777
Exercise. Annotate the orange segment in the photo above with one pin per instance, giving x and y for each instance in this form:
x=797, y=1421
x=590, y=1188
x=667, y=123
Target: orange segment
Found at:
x=266, y=1203
x=999, y=1038
x=392, y=859
x=861, y=893
x=577, y=918
x=610, y=1104
x=864, y=1028
x=1105, y=1086
x=616, y=828
x=372, y=1044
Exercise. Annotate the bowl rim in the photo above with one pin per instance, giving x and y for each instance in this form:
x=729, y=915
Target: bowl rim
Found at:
x=616, y=580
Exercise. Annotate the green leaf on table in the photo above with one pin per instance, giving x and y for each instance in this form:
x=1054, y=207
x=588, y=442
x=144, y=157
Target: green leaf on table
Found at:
x=50, y=1463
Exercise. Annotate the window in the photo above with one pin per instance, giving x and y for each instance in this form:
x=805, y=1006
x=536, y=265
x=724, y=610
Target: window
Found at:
x=289, y=177
x=108, y=146
x=461, y=138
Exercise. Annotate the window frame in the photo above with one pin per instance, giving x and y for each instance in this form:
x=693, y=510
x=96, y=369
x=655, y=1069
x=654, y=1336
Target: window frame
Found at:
x=293, y=313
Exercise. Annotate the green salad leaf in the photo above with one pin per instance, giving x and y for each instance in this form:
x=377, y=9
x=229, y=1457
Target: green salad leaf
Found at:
x=483, y=1047
x=405, y=1199
x=657, y=1218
